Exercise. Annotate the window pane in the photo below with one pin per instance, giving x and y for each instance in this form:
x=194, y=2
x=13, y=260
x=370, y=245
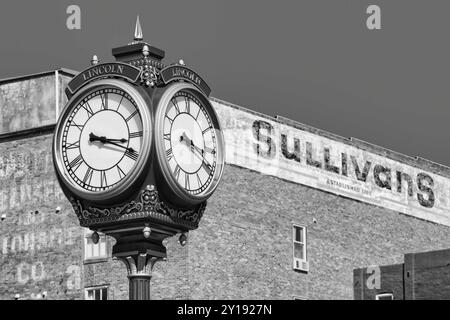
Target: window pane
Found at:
x=95, y=251
x=88, y=248
x=90, y=295
x=386, y=296
x=104, y=294
x=97, y=294
x=85, y=248
x=298, y=251
x=298, y=234
x=102, y=247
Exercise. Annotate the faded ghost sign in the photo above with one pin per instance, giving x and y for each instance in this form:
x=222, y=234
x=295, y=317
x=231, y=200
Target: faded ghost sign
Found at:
x=31, y=103
x=40, y=250
x=27, y=104
x=273, y=147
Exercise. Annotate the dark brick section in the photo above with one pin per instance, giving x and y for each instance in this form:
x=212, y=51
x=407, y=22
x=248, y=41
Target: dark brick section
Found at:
x=422, y=276
x=427, y=275
x=391, y=281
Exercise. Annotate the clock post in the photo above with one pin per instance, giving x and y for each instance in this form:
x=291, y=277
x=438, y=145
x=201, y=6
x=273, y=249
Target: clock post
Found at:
x=138, y=150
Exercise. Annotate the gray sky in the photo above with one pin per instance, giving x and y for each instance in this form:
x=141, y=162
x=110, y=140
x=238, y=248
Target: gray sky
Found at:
x=313, y=61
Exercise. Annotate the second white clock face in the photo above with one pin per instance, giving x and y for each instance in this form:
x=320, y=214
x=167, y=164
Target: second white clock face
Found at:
x=190, y=143
x=102, y=139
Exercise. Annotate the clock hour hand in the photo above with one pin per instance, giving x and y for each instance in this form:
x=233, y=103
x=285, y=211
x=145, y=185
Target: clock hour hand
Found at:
x=117, y=140
x=93, y=137
x=103, y=139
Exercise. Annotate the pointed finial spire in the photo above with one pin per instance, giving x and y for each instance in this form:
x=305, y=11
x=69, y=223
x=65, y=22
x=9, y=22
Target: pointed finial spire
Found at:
x=138, y=31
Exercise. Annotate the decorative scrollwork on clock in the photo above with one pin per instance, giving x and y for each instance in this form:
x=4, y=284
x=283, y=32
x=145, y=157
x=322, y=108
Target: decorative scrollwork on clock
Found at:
x=149, y=205
x=149, y=74
x=93, y=212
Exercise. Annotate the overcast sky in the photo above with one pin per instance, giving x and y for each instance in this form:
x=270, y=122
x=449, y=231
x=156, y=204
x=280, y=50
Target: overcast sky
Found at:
x=313, y=61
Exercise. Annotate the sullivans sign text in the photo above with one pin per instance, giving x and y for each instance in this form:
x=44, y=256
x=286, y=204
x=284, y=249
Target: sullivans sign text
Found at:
x=351, y=168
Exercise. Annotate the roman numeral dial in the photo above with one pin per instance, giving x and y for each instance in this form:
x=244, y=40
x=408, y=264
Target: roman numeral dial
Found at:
x=189, y=143
x=102, y=139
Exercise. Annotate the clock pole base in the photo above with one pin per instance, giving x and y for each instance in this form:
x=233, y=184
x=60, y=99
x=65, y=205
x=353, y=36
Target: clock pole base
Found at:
x=139, y=269
x=139, y=287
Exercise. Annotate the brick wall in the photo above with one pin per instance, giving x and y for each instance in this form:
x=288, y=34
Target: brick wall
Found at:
x=41, y=248
x=242, y=249
x=427, y=275
x=243, y=245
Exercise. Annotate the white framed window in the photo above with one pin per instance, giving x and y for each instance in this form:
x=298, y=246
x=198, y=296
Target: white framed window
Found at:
x=299, y=252
x=96, y=293
x=384, y=296
x=94, y=250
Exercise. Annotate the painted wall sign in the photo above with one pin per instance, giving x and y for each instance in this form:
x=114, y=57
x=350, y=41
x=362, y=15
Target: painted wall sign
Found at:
x=27, y=104
x=272, y=147
x=178, y=72
x=114, y=69
x=37, y=235
x=31, y=103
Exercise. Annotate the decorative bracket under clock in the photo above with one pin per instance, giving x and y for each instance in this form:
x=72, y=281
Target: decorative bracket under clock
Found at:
x=148, y=206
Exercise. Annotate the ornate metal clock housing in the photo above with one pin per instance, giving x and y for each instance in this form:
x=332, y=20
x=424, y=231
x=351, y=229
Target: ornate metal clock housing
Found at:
x=189, y=144
x=138, y=150
x=103, y=140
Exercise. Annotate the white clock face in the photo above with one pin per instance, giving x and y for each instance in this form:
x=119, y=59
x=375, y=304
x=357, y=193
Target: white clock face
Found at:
x=101, y=139
x=190, y=143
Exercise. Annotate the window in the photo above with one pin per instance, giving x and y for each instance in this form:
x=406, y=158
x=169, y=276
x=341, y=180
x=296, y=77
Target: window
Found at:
x=97, y=293
x=299, y=248
x=384, y=296
x=94, y=250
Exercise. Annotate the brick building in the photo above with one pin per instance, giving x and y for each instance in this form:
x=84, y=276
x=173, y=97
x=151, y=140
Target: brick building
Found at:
x=297, y=211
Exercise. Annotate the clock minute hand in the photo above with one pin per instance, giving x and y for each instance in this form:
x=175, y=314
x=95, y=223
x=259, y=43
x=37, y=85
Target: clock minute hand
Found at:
x=199, y=150
x=191, y=143
x=123, y=147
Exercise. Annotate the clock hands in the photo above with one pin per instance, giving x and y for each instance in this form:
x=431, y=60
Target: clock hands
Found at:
x=104, y=140
x=189, y=142
x=123, y=147
x=200, y=152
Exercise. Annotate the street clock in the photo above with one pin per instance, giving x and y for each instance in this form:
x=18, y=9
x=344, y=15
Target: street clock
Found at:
x=138, y=142
x=138, y=149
